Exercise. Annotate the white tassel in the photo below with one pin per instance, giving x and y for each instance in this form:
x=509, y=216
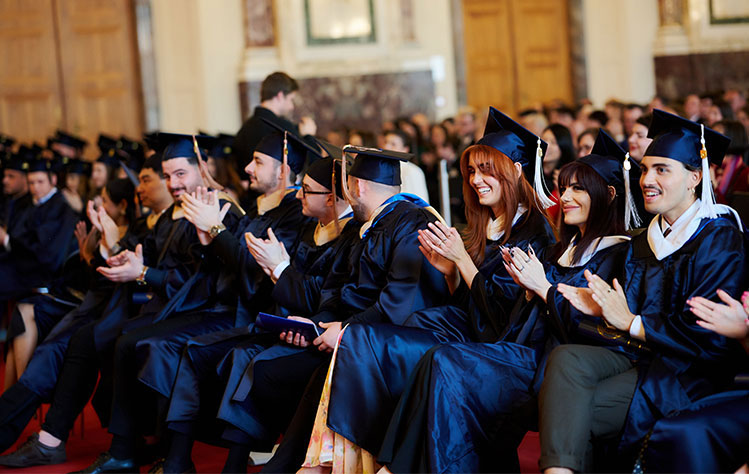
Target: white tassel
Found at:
x=631, y=217
x=707, y=206
x=539, y=186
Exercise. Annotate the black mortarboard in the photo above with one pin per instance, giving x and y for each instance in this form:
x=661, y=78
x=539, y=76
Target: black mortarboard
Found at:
x=106, y=143
x=78, y=167
x=152, y=140
x=691, y=143
x=70, y=140
x=6, y=140
x=322, y=171
x=16, y=162
x=679, y=139
x=612, y=163
x=109, y=158
x=520, y=145
x=273, y=143
x=177, y=145
x=222, y=147
x=330, y=149
x=374, y=164
x=133, y=151
x=26, y=153
x=39, y=164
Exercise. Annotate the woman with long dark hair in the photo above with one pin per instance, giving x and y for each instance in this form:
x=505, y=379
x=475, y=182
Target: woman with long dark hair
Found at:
x=468, y=405
x=502, y=209
x=560, y=152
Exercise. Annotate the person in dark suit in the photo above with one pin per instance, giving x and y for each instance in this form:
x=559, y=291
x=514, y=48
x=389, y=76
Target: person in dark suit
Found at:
x=277, y=94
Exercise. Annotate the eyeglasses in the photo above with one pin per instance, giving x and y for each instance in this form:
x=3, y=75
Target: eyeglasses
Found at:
x=306, y=191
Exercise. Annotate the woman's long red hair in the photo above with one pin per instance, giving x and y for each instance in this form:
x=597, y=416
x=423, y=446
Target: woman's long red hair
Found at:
x=514, y=191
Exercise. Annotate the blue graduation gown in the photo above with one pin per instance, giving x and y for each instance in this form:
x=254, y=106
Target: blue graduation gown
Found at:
x=468, y=405
x=688, y=361
x=41, y=374
x=711, y=435
x=226, y=270
x=375, y=360
x=297, y=291
x=388, y=280
x=39, y=244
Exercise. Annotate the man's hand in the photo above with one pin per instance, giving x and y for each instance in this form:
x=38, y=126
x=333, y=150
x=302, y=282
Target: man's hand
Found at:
x=293, y=338
x=327, y=340
x=613, y=301
x=129, y=266
x=267, y=253
x=202, y=210
x=580, y=298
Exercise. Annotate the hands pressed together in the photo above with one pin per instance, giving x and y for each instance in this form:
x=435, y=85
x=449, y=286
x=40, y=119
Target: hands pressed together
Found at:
x=202, y=209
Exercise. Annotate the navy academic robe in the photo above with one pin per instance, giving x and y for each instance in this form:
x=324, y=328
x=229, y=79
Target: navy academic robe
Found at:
x=466, y=405
x=374, y=361
x=388, y=280
x=688, y=361
x=296, y=292
x=39, y=244
x=227, y=269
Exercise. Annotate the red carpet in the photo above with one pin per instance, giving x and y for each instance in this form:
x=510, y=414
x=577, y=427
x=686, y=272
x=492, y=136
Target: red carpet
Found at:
x=85, y=444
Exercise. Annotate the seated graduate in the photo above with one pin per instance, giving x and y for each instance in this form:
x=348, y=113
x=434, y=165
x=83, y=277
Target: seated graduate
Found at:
x=34, y=317
x=385, y=277
x=70, y=353
x=502, y=209
x=442, y=422
x=38, y=246
x=183, y=279
x=692, y=248
x=16, y=193
x=242, y=287
x=712, y=434
x=298, y=287
x=74, y=179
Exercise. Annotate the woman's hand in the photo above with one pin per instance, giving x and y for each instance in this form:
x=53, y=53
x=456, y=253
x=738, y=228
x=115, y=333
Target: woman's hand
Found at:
x=445, y=266
x=729, y=319
x=445, y=241
x=527, y=270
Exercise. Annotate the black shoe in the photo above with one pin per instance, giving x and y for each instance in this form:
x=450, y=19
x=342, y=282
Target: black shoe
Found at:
x=34, y=453
x=106, y=463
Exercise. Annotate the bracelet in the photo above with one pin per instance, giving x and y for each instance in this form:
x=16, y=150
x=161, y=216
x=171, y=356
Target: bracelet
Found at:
x=141, y=280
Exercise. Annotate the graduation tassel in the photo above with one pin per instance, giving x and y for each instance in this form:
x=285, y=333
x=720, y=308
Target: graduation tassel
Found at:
x=707, y=206
x=335, y=199
x=631, y=217
x=539, y=186
x=284, y=174
x=344, y=178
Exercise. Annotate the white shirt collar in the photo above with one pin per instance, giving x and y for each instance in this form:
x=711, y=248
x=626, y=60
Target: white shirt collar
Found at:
x=601, y=243
x=45, y=198
x=682, y=230
x=330, y=231
x=495, y=227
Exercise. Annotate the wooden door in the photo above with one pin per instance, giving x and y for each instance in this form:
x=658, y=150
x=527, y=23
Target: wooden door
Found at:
x=488, y=39
x=30, y=87
x=542, y=50
x=99, y=68
x=517, y=53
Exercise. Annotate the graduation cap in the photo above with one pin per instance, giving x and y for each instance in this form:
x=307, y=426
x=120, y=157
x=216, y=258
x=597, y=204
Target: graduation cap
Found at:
x=691, y=143
x=326, y=171
x=65, y=138
x=76, y=166
x=16, y=162
x=152, y=140
x=521, y=146
x=178, y=145
x=109, y=158
x=27, y=154
x=274, y=144
x=106, y=143
x=6, y=140
x=39, y=164
x=374, y=164
x=612, y=163
x=222, y=147
x=133, y=152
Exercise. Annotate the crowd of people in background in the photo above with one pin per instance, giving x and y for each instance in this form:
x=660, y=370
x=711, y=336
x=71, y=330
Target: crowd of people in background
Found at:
x=149, y=268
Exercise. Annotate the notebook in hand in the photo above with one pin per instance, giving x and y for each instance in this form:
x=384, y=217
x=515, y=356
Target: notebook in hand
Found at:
x=279, y=324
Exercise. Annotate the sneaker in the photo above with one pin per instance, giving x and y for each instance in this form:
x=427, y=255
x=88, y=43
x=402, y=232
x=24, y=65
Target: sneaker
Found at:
x=34, y=453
